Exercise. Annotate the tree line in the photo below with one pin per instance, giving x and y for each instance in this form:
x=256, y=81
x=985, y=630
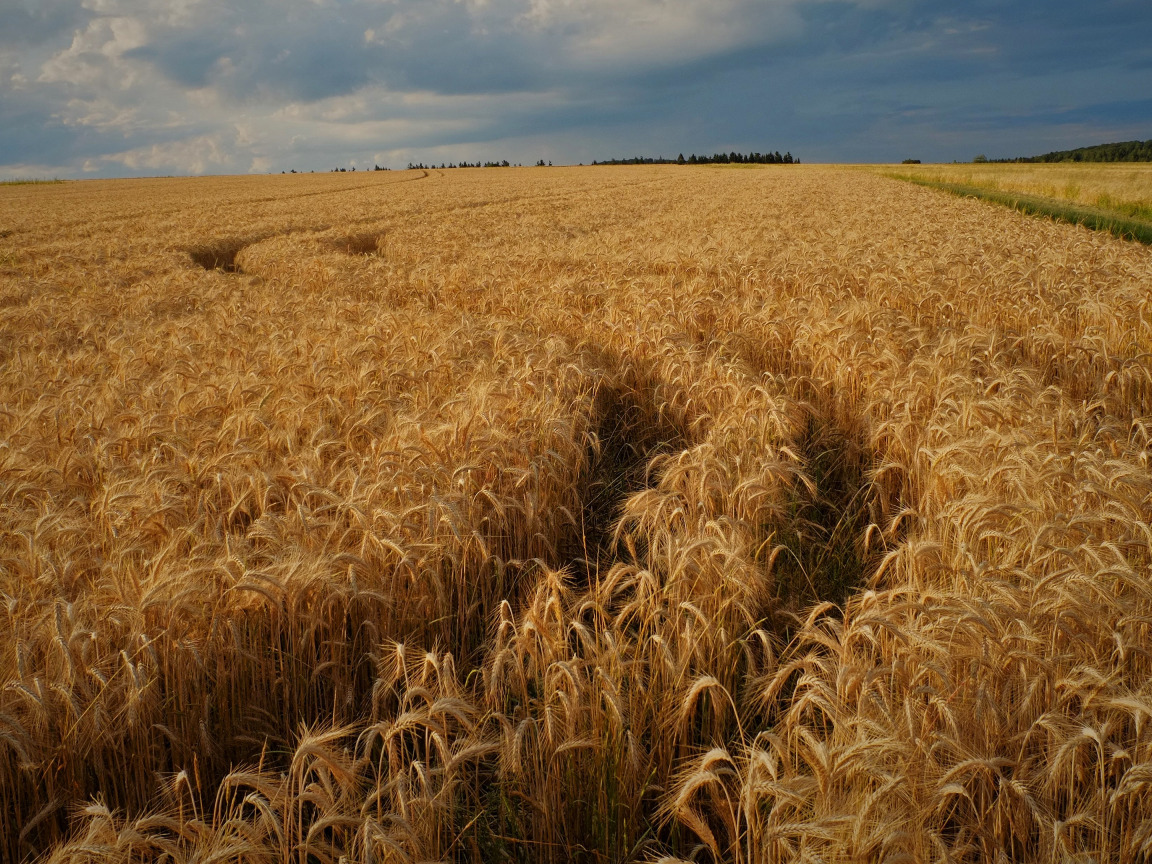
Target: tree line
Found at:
x=504, y=163
x=714, y=159
x=1120, y=151
x=770, y=158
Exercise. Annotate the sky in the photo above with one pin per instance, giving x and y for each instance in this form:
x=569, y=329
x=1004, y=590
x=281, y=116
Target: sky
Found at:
x=112, y=88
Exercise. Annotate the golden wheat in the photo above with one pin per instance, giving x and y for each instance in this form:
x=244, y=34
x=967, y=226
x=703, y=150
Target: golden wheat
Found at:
x=607, y=514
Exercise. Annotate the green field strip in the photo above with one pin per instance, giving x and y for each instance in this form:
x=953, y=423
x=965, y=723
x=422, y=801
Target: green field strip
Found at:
x=1116, y=224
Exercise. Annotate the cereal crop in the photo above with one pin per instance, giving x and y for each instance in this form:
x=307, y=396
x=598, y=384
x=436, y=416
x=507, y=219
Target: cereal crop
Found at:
x=570, y=514
x=1123, y=188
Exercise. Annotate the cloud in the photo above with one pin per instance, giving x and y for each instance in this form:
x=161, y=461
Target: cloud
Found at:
x=33, y=22
x=198, y=155
x=656, y=32
x=235, y=85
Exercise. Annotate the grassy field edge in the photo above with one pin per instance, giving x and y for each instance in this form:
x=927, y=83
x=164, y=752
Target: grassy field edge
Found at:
x=1090, y=217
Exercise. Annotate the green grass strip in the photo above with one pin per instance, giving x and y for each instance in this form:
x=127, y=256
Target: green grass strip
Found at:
x=1091, y=217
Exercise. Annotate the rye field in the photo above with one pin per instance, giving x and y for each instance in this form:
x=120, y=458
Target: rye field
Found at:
x=571, y=514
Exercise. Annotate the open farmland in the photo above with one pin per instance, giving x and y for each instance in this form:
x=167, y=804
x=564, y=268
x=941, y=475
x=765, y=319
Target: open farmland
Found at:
x=1119, y=191
x=789, y=513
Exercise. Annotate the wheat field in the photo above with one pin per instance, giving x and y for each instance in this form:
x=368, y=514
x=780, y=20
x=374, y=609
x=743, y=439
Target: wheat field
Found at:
x=1124, y=188
x=615, y=514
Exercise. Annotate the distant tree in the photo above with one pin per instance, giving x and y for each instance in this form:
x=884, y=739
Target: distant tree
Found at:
x=1120, y=151
x=731, y=158
x=981, y=158
x=910, y=162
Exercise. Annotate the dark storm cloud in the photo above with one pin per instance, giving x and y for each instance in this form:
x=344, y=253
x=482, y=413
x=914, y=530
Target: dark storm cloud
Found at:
x=31, y=131
x=169, y=85
x=941, y=76
x=31, y=22
x=1038, y=36
x=187, y=60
